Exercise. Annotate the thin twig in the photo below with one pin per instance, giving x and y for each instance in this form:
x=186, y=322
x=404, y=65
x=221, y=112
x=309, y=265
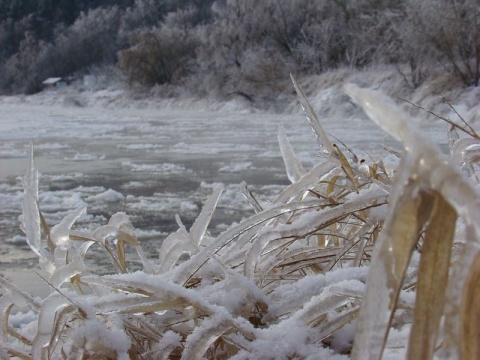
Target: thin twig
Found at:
x=454, y=124
x=460, y=117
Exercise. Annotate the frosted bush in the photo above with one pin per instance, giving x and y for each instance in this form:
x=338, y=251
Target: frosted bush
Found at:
x=290, y=281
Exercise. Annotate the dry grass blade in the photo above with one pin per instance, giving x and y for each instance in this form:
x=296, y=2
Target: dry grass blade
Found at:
x=346, y=167
x=19, y=336
x=332, y=183
x=470, y=313
x=46, y=230
x=6, y=313
x=392, y=255
x=432, y=277
x=18, y=354
x=120, y=248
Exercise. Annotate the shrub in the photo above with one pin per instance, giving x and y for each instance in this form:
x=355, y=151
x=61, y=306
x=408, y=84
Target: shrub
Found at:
x=157, y=56
x=446, y=32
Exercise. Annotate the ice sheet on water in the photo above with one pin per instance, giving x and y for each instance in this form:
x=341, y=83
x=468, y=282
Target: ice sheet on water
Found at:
x=60, y=200
x=16, y=240
x=139, y=146
x=85, y=157
x=20, y=318
x=13, y=154
x=166, y=202
x=237, y=167
x=51, y=146
x=108, y=196
x=165, y=168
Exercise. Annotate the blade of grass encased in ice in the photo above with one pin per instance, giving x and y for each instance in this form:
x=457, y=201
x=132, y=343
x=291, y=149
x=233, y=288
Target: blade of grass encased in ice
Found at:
x=391, y=256
x=294, y=168
x=470, y=312
x=432, y=278
x=312, y=118
x=198, y=342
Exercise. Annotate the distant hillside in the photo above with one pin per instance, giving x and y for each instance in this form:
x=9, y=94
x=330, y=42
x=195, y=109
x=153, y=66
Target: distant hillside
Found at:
x=231, y=48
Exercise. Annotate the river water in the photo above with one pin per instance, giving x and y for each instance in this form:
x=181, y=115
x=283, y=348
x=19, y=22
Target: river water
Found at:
x=151, y=164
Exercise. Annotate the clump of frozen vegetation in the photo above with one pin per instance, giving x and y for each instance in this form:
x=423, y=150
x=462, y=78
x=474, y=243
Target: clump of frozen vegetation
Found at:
x=351, y=259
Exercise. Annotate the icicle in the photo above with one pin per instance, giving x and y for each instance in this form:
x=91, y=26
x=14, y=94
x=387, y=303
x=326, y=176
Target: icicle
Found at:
x=250, y=198
x=199, y=227
x=321, y=135
x=31, y=216
x=294, y=167
x=384, y=112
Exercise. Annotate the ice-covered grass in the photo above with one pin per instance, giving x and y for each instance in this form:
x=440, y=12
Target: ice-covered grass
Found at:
x=350, y=259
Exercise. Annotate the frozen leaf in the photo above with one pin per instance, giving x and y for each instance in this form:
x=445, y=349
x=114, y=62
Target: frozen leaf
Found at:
x=60, y=233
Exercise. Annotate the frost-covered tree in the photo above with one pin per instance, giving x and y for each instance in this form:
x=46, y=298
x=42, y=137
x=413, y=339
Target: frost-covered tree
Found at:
x=157, y=56
x=91, y=40
x=447, y=32
x=19, y=70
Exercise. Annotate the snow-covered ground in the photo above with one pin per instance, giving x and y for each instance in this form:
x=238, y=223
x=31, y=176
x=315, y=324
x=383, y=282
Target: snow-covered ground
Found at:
x=154, y=163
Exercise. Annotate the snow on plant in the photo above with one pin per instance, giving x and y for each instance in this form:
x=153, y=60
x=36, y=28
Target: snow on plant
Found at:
x=287, y=282
x=428, y=196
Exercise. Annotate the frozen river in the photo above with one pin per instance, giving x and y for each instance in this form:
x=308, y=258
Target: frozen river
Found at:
x=151, y=164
